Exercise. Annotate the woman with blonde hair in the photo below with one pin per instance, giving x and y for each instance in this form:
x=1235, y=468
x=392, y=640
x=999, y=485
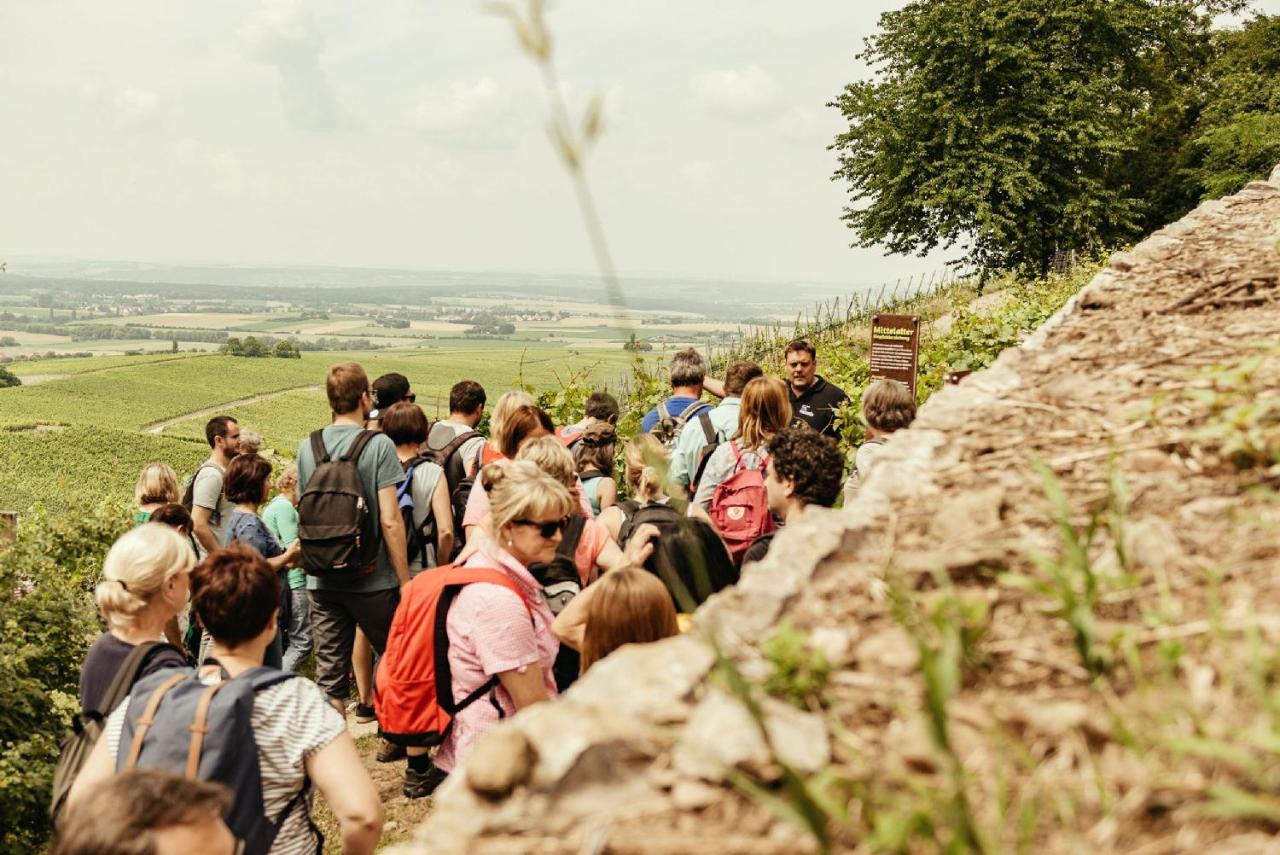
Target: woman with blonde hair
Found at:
x=518, y=426
x=627, y=606
x=593, y=547
x=499, y=423
x=490, y=632
x=157, y=485
x=146, y=579
x=644, y=456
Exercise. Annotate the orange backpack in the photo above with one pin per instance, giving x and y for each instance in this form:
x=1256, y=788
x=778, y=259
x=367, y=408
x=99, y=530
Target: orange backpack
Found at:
x=414, y=687
x=740, y=506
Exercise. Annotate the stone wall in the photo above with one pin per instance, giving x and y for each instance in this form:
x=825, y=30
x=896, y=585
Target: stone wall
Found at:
x=1137, y=397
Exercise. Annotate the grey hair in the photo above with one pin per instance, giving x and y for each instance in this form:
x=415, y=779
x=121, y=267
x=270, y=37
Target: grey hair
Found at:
x=688, y=368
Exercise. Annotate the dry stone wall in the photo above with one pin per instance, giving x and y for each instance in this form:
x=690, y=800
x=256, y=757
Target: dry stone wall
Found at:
x=1152, y=398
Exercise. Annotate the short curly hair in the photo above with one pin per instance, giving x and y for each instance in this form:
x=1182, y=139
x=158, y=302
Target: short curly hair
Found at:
x=811, y=461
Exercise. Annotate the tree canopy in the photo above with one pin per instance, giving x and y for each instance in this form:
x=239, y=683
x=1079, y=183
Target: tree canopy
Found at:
x=1018, y=128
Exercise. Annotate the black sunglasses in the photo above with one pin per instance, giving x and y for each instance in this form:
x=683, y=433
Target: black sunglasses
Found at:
x=546, y=529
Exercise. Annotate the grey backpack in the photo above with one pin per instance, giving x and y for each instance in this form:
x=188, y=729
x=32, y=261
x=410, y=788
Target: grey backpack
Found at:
x=177, y=723
x=338, y=525
x=668, y=428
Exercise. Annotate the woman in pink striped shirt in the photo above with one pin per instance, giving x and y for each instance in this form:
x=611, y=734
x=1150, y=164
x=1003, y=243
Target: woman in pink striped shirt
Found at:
x=491, y=631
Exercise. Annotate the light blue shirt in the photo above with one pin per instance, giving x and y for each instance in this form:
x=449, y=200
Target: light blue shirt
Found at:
x=684, y=460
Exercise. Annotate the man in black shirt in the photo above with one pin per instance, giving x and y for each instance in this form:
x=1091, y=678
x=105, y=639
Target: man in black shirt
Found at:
x=805, y=469
x=813, y=400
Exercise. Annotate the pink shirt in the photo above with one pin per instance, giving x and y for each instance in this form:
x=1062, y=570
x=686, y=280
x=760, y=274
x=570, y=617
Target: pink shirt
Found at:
x=593, y=541
x=490, y=633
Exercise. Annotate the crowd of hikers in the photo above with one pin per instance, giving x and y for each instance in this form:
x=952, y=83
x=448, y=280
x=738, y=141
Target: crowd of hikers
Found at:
x=433, y=577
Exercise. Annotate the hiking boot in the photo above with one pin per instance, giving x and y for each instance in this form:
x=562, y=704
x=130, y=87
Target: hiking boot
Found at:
x=363, y=713
x=419, y=785
x=389, y=752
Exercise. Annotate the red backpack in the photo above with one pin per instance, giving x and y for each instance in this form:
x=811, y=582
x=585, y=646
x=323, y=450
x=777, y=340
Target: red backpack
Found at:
x=740, y=506
x=414, y=688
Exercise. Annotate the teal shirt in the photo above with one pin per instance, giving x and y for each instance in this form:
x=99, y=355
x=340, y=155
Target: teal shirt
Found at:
x=684, y=459
x=282, y=518
x=379, y=467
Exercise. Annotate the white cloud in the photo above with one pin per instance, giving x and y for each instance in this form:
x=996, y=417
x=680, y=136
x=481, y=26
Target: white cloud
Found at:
x=284, y=34
x=460, y=107
x=747, y=93
x=122, y=107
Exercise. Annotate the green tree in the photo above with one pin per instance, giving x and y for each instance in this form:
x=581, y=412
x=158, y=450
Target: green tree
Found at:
x=253, y=347
x=174, y=348
x=8, y=378
x=1017, y=128
x=286, y=349
x=233, y=347
x=1237, y=136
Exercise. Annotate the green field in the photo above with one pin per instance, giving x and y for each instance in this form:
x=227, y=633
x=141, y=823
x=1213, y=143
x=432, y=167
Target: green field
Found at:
x=115, y=414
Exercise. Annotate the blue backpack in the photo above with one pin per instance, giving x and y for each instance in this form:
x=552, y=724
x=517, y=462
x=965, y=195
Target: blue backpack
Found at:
x=417, y=538
x=177, y=723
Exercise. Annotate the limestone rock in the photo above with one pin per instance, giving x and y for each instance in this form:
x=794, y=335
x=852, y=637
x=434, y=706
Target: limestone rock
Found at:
x=721, y=735
x=649, y=681
x=502, y=760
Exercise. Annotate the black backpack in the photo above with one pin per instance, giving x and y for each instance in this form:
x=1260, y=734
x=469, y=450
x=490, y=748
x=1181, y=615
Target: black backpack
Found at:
x=449, y=458
x=417, y=537
x=713, y=442
x=559, y=577
x=189, y=493
x=86, y=728
x=561, y=583
x=176, y=723
x=338, y=524
x=664, y=517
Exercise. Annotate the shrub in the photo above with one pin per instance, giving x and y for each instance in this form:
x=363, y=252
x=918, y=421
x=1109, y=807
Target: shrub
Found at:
x=7, y=379
x=47, y=621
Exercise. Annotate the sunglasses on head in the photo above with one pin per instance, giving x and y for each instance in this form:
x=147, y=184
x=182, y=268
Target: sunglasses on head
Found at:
x=546, y=529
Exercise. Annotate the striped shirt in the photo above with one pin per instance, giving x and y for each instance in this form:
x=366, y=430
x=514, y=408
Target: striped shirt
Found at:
x=490, y=633
x=291, y=722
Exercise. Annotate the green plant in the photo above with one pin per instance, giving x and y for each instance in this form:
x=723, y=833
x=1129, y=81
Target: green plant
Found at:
x=1072, y=581
x=47, y=620
x=940, y=638
x=799, y=670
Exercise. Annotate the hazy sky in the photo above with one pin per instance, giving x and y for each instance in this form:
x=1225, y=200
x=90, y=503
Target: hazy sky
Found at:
x=410, y=133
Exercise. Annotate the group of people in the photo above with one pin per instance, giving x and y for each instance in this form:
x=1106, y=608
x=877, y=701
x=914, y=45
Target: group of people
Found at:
x=454, y=575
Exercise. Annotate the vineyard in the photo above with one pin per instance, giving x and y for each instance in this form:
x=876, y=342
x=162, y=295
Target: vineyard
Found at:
x=84, y=436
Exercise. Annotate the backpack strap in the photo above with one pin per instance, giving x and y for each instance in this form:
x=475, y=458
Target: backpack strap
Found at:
x=572, y=535
x=591, y=474
x=199, y=727
x=357, y=448
x=663, y=412
x=126, y=675
x=737, y=454
x=708, y=430
x=687, y=412
x=457, y=442
x=444, y=673
x=149, y=717
x=318, y=451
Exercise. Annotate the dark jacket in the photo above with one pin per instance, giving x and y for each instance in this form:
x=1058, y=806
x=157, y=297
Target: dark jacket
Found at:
x=816, y=407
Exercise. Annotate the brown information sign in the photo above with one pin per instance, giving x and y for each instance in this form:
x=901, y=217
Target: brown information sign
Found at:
x=895, y=348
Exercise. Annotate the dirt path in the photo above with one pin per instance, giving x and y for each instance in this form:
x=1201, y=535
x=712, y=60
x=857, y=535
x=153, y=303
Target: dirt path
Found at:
x=160, y=427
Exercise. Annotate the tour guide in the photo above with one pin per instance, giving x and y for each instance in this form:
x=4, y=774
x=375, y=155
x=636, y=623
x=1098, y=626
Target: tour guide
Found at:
x=814, y=401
